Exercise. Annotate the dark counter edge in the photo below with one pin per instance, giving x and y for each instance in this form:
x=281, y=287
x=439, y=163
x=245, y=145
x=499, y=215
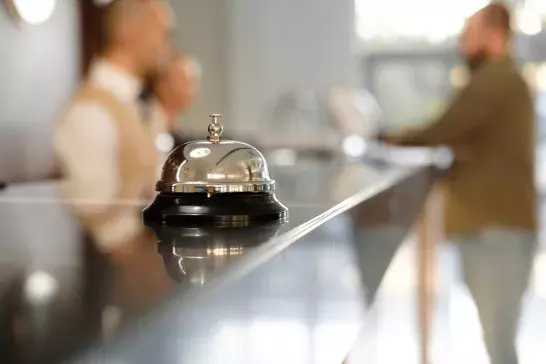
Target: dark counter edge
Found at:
x=249, y=262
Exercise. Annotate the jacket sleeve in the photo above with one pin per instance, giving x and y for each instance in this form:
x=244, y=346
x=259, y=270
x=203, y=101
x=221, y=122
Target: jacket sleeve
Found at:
x=469, y=112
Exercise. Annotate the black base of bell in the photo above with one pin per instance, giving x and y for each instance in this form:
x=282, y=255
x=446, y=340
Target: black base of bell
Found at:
x=226, y=208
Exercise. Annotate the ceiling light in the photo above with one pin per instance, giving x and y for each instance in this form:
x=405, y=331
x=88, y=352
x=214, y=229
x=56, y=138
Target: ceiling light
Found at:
x=529, y=21
x=32, y=11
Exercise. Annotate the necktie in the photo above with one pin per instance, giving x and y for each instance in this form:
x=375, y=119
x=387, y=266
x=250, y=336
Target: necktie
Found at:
x=145, y=103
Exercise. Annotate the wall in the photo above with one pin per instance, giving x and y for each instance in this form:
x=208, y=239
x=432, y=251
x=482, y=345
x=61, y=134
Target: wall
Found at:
x=39, y=68
x=278, y=46
x=201, y=31
x=254, y=50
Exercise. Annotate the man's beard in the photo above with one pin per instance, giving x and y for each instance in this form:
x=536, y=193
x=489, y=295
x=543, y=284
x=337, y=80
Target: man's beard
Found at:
x=474, y=61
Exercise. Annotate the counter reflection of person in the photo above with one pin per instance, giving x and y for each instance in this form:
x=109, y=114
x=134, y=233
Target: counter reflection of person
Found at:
x=490, y=211
x=107, y=153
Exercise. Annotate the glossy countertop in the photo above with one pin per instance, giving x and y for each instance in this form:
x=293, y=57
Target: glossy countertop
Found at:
x=293, y=292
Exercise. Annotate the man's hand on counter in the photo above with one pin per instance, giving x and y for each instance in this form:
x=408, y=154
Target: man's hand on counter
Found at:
x=398, y=137
x=387, y=138
x=390, y=137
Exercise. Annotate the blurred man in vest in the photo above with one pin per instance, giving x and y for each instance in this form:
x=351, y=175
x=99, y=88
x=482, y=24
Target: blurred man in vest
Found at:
x=491, y=212
x=106, y=151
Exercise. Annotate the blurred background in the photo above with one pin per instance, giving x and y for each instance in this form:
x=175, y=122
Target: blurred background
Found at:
x=273, y=68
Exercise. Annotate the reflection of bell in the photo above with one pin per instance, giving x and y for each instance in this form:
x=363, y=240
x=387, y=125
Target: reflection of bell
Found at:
x=215, y=180
x=192, y=253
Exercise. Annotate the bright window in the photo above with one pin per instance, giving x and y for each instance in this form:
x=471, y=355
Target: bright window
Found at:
x=433, y=20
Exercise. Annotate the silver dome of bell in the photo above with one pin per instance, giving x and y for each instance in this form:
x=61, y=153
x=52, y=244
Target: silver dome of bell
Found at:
x=215, y=166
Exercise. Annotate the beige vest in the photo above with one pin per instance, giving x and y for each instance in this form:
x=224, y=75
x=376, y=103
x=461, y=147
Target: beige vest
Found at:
x=137, y=157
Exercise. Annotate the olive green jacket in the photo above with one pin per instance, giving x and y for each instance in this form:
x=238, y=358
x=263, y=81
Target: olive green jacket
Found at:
x=490, y=127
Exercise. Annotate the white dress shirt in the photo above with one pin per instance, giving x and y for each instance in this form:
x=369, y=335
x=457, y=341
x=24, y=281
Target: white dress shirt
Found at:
x=86, y=143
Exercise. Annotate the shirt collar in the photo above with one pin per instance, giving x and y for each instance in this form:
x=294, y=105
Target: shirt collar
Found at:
x=125, y=86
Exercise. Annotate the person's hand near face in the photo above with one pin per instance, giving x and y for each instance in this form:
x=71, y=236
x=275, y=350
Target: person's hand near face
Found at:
x=176, y=90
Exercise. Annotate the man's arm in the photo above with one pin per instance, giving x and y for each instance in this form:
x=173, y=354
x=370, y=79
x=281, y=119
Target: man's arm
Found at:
x=469, y=112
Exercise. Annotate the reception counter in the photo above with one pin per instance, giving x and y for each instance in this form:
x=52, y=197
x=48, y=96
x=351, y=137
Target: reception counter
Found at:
x=293, y=292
